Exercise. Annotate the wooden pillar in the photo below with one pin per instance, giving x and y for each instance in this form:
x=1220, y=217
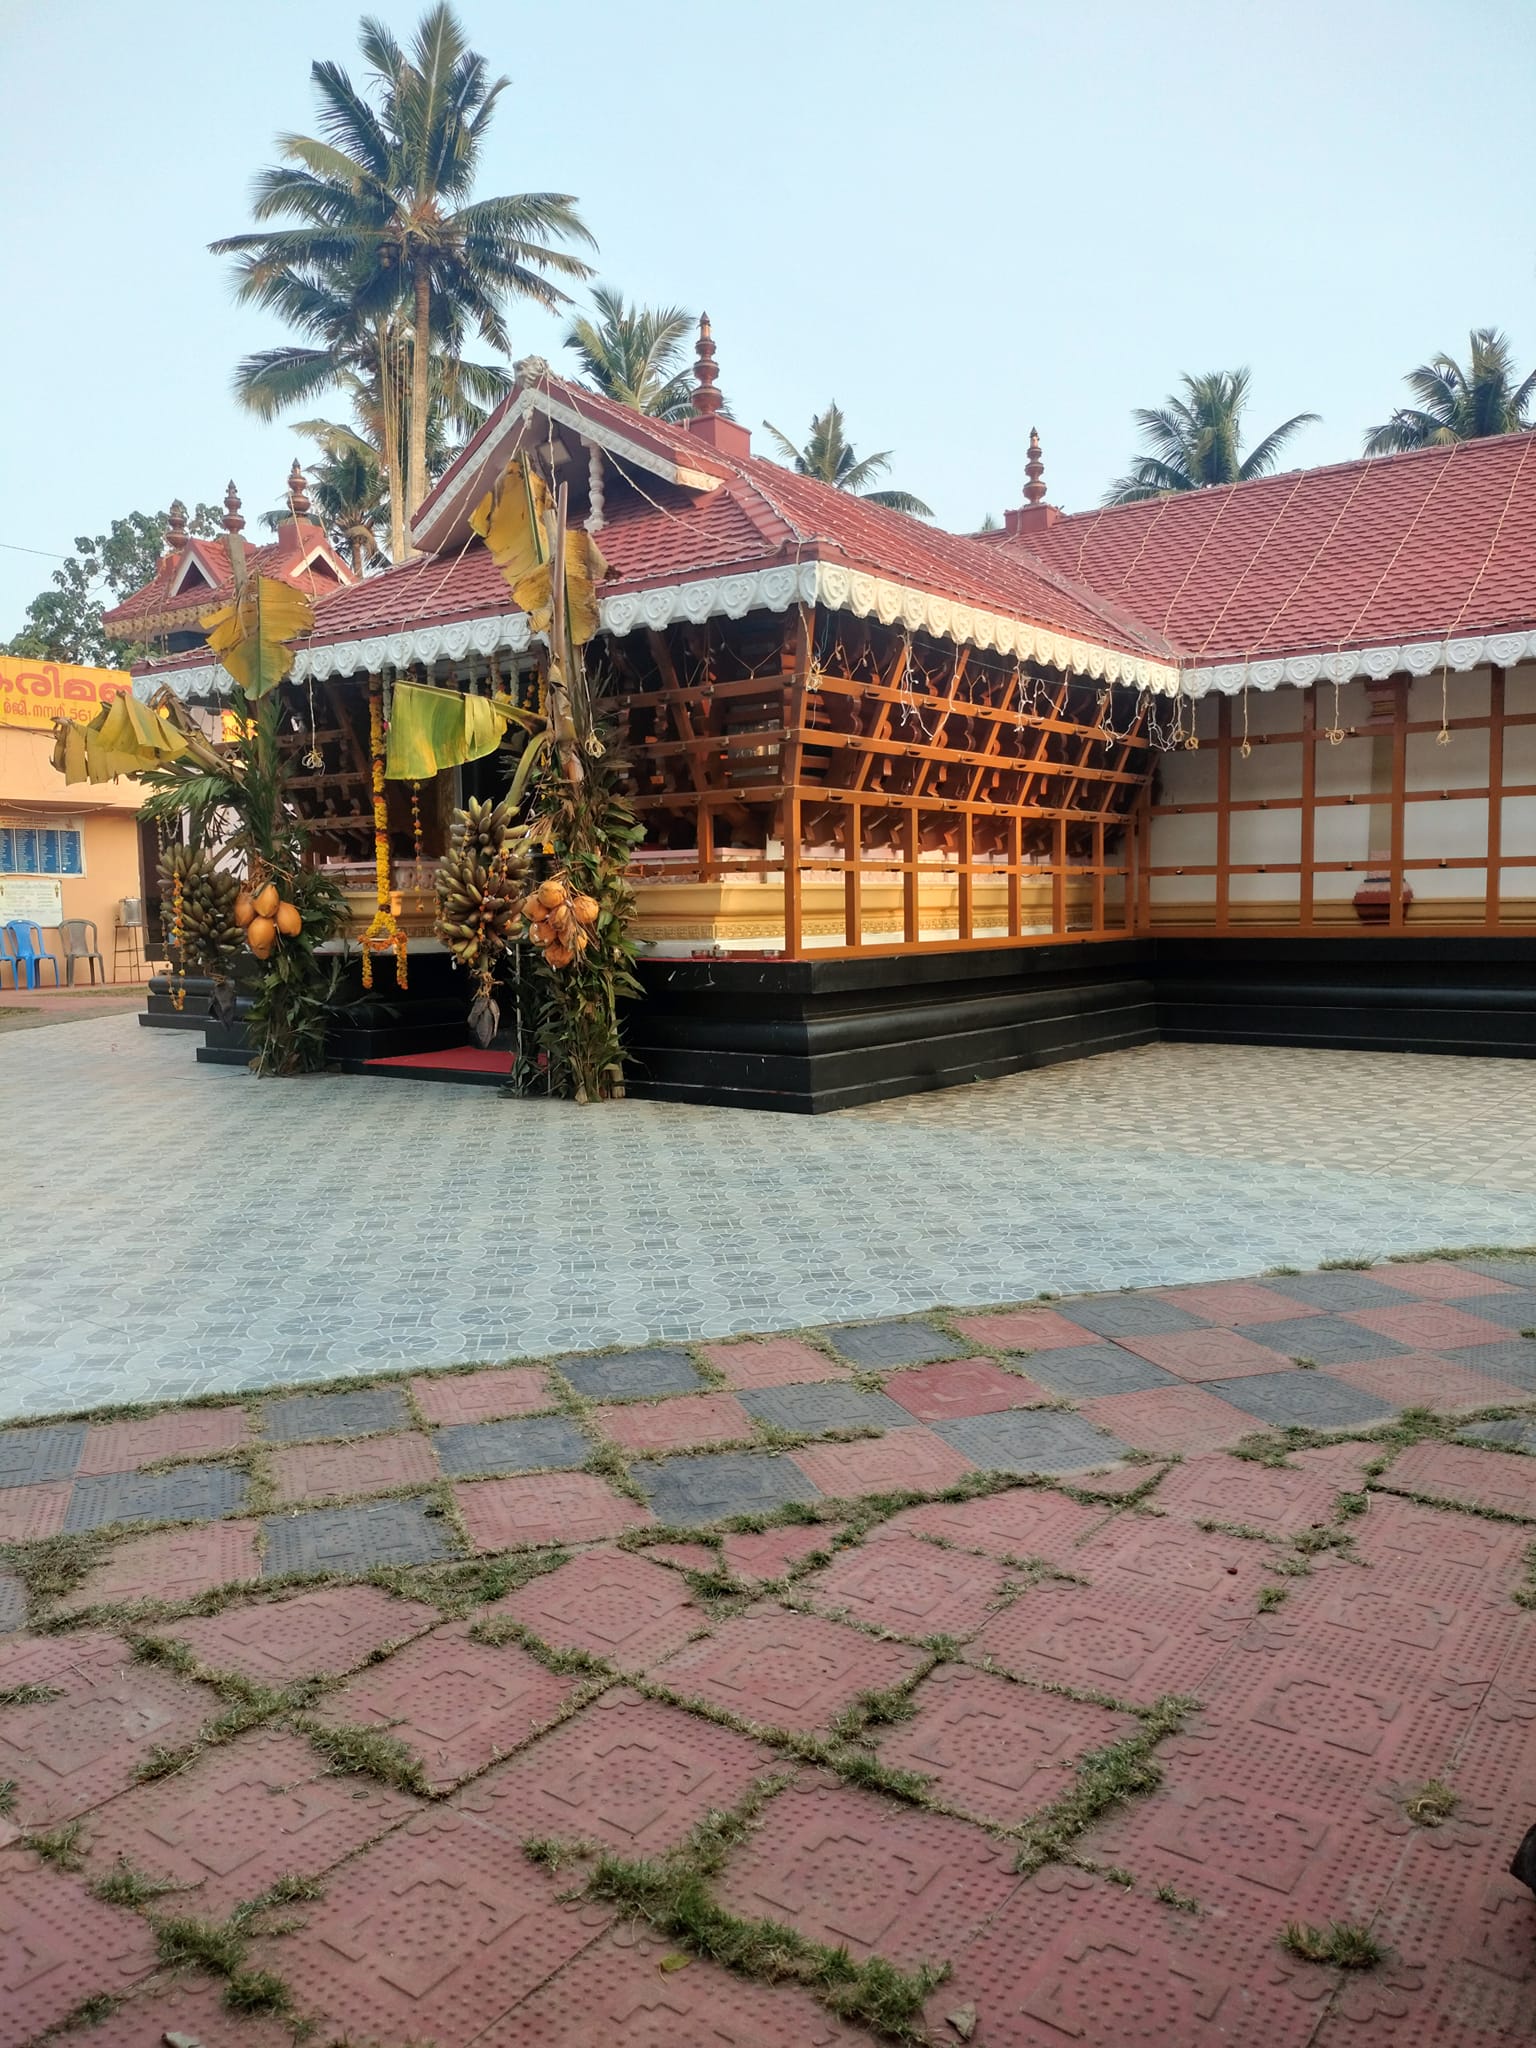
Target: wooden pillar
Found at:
x=1059, y=876
x=1098, y=875
x=1015, y=876
x=791, y=843
x=1399, y=804
x=1492, y=885
x=912, y=842
x=853, y=847
x=967, y=856
x=706, y=838
x=1223, y=812
x=1306, y=881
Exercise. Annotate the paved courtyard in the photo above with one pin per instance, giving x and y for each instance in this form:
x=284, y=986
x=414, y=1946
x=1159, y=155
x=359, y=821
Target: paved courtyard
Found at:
x=1147, y=1667
x=178, y=1230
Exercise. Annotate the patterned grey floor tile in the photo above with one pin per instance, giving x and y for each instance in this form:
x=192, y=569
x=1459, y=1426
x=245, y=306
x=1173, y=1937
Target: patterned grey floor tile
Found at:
x=540, y=1442
x=13, y=1605
x=301, y=1416
x=188, y=1493
x=816, y=1406
x=882, y=1347
x=1514, y=1361
x=709, y=1488
x=1128, y=1315
x=1337, y=1291
x=1515, y=1433
x=1326, y=1340
x=31, y=1457
x=1513, y=1311
x=1518, y=1272
x=354, y=1538
x=1083, y=1370
x=631, y=1374
x=1030, y=1440
x=1311, y=1400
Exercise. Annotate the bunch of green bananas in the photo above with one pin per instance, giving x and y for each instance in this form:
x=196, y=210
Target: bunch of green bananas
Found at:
x=481, y=881
x=210, y=939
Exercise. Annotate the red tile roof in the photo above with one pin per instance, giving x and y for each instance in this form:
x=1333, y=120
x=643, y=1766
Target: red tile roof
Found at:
x=1381, y=551
x=283, y=557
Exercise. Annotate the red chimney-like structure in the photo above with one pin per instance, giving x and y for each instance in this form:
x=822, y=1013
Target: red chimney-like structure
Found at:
x=1034, y=515
x=709, y=421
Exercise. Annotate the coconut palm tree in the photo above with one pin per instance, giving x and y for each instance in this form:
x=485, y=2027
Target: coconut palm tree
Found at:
x=829, y=456
x=635, y=354
x=384, y=218
x=1195, y=441
x=1456, y=404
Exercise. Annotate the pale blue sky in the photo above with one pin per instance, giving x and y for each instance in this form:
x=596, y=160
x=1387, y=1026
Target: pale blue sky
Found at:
x=957, y=219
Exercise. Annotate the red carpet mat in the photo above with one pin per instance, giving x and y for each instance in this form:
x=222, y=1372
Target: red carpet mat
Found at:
x=456, y=1059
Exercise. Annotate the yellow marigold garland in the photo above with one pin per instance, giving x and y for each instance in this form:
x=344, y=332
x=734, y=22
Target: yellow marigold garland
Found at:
x=383, y=934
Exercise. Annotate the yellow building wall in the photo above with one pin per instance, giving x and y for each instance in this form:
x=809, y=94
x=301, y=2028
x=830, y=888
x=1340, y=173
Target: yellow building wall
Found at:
x=32, y=792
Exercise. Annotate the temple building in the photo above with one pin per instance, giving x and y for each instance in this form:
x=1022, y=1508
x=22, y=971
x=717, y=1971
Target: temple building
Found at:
x=1254, y=763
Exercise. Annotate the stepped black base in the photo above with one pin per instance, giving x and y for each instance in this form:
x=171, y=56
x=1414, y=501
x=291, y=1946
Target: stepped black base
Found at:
x=811, y=1036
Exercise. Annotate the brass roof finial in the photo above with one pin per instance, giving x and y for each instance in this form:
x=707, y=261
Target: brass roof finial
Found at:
x=706, y=399
x=1034, y=469
x=298, y=491
x=233, y=522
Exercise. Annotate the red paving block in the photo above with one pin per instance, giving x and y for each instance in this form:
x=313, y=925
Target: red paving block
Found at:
x=631, y=1773
x=455, y=1703
x=70, y=1753
x=962, y=1386
x=1122, y=1635
x=429, y=1935
x=1178, y=1421
x=1025, y=1329
x=775, y=1362
x=1236, y=1301
x=240, y=1817
x=1169, y=1553
x=767, y=1554
x=173, y=1565
x=1343, y=1463
x=1420, y=1380
x=1206, y=1354
x=994, y=1749
x=778, y=1670
x=481, y=1396
x=179, y=1433
x=1429, y=1325
x=1026, y=1522
x=59, y=1946
x=28, y=1512
x=546, y=1507
x=913, y=1588
x=1119, y=1480
x=622, y=1994
x=908, y=1458
x=614, y=1603
x=1073, y=1958
x=1406, y=1637
x=857, y=1871
x=1439, y=1280
x=1272, y=1498
x=312, y=1635
x=181, y=2002
x=1474, y=1478
x=376, y=1465
x=687, y=1557
x=676, y=1425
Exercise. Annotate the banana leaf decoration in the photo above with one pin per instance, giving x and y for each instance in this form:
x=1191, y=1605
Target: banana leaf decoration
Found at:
x=432, y=729
x=124, y=738
x=250, y=637
x=513, y=521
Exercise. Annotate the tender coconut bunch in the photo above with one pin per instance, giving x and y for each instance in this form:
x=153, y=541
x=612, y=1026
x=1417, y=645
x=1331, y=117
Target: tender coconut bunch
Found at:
x=479, y=882
x=559, y=922
x=210, y=921
x=265, y=917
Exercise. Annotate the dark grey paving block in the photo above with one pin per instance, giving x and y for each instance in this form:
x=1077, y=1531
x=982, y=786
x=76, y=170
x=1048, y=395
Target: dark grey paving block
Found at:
x=1031, y=1440
x=189, y=1493
x=1336, y=1290
x=539, y=1442
x=1514, y=1361
x=1310, y=1399
x=30, y=1457
x=13, y=1605
x=819, y=1405
x=698, y=1490
x=1513, y=1311
x=1516, y=1433
x=1327, y=1340
x=1518, y=1272
x=336, y=1415
x=626, y=1374
x=1127, y=1315
x=882, y=1346
x=352, y=1539
x=1083, y=1370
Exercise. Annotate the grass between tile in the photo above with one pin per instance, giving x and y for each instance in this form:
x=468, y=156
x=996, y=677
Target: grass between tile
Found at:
x=1432, y=1805
x=1341, y=1943
x=1105, y=1778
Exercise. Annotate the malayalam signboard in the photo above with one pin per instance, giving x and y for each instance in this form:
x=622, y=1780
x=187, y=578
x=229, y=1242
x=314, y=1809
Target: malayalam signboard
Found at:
x=35, y=693
x=37, y=899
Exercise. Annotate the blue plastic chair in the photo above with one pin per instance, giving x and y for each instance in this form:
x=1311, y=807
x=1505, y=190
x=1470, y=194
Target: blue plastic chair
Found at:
x=8, y=957
x=31, y=953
